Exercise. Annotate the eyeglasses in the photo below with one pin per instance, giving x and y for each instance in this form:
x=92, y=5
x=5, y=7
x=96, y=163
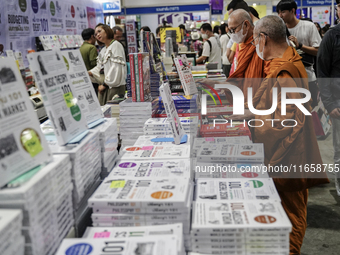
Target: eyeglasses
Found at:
x=232, y=30
x=253, y=41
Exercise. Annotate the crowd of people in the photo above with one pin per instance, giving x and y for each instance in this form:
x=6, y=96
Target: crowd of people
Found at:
x=276, y=51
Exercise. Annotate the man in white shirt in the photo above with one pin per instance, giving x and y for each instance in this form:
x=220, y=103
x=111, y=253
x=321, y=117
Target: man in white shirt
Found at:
x=211, y=47
x=306, y=37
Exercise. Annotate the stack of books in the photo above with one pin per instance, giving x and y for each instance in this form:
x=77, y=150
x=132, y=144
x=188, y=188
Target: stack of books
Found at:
x=240, y=227
x=133, y=232
x=231, y=153
x=140, y=77
x=235, y=189
x=222, y=130
x=142, y=201
x=108, y=138
x=157, y=152
x=150, y=245
x=161, y=126
x=202, y=141
x=155, y=82
x=152, y=169
x=45, y=197
x=11, y=240
x=182, y=102
x=86, y=163
x=132, y=118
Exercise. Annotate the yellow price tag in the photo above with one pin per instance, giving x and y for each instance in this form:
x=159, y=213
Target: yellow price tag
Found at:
x=117, y=184
x=163, y=34
x=68, y=97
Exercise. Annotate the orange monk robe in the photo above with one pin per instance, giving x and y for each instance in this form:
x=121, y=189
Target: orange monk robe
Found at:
x=289, y=146
x=249, y=66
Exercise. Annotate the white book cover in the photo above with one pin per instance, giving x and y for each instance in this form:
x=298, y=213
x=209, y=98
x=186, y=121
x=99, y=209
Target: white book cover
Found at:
x=202, y=141
x=171, y=112
x=146, y=140
x=230, y=171
x=148, y=245
x=136, y=192
x=37, y=184
x=82, y=85
x=22, y=144
x=231, y=153
x=18, y=57
x=185, y=75
x=236, y=190
x=9, y=217
x=164, y=122
x=158, y=152
x=152, y=169
x=58, y=94
x=247, y=216
x=133, y=232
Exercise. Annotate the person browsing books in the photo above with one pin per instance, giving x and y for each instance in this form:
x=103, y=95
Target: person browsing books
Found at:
x=211, y=47
x=112, y=59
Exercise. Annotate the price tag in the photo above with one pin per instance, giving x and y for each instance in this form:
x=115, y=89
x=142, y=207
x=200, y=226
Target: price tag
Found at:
x=131, y=36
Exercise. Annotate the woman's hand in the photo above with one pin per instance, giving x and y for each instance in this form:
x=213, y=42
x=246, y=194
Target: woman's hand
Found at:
x=90, y=73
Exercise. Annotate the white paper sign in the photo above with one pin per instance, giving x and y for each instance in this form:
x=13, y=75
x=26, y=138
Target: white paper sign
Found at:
x=171, y=112
x=184, y=72
x=22, y=144
x=81, y=83
x=58, y=94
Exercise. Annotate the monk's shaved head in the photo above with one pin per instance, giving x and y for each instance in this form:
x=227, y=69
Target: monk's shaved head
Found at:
x=273, y=26
x=241, y=15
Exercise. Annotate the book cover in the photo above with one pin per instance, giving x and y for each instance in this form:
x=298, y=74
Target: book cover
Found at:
x=133, y=77
x=137, y=78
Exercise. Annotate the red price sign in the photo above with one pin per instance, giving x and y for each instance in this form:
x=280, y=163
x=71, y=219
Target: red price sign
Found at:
x=130, y=27
x=132, y=49
x=131, y=39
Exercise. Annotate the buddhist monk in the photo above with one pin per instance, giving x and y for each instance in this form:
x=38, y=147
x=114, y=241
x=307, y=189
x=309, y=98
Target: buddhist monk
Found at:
x=285, y=146
x=248, y=66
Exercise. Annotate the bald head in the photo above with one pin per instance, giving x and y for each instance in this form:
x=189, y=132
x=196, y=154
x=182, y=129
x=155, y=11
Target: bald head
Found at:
x=239, y=16
x=273, y=26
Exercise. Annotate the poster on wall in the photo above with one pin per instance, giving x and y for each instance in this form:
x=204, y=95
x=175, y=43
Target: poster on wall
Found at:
x=39, y=17
x=81, y=17
x=18, y=26
x=174, y=19
x=91, y=17
x=321, y=15
x=56, y=8
x=70, y=19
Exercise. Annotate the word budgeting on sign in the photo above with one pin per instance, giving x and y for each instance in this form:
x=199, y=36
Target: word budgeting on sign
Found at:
x=131, y=36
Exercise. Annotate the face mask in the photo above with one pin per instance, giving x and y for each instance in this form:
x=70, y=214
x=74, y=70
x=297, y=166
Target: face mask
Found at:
x=239, y=36
x=260, y=54
x=204, y=36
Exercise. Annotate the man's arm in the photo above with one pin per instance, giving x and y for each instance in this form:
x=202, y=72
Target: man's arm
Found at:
x=205, y=53
x=201, y=59
x=310, y=50
x=307, y=49
x=324, y=67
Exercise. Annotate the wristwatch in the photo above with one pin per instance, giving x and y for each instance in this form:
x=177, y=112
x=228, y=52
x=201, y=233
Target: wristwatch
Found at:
x=300, y=46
